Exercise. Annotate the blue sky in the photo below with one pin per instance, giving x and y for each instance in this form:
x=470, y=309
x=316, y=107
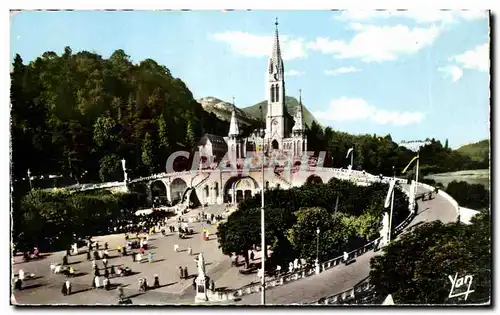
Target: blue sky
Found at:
x=414, y=74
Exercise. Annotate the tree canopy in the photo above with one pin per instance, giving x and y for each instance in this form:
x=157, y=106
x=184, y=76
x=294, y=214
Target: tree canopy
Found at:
x=81, y=114
x=415, y=268
x=292, y=217
x=50, y=220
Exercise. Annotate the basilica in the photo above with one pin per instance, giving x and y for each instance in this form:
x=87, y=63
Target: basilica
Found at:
x=279, y=135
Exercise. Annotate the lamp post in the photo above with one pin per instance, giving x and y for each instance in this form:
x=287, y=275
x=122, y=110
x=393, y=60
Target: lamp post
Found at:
x=262, y=227
x=317, y=250
x=29, y=179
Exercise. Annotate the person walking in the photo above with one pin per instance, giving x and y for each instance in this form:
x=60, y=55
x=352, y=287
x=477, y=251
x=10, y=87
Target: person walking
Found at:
x=64, y=289
x=106, y=245
x=105, y=262
x=185, y=272
x=106, y=273
x=150, y=257
x=97, y=282
x=88, y=255
x=68, y=287
x=181, y=273
x=112, y=270
x=157, y=281
x=190, y=250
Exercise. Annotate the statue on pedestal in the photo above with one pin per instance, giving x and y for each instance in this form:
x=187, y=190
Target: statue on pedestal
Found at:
x=201, y=265
x=201, y=282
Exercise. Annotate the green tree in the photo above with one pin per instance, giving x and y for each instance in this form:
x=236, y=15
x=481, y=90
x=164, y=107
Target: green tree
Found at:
x=163, y=132
x=147, y=151
x=189, y=135
x=415, y=268
x=110, y=168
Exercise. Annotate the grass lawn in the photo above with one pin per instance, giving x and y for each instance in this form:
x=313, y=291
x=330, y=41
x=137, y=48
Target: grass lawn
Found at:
x=471, y=177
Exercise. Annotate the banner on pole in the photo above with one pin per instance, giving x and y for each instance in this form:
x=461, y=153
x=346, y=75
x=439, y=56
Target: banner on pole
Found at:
x=389, y=194
x=349, y=152
x=407, y=166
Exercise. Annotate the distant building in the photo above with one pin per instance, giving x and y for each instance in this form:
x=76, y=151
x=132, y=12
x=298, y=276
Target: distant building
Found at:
x=280, y=136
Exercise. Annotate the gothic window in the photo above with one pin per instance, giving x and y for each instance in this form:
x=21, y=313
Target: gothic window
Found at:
x=272, y=93
x=277, y=93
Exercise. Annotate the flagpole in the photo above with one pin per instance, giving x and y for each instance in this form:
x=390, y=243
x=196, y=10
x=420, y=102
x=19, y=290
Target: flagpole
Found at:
x=392, y=206
x=416, y=174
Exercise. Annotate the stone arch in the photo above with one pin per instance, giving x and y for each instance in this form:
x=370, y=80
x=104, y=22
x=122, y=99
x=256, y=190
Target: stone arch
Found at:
x=275, y=145
x=238, y=188
x=142, y=189
x=179, y=188
x=314, y=179
x=158, y=189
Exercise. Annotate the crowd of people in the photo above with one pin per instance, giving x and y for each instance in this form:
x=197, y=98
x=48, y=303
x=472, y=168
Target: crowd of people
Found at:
x=103, y=271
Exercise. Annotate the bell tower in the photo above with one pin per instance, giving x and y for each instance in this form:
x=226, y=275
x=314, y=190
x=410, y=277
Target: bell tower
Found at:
x=275, y=94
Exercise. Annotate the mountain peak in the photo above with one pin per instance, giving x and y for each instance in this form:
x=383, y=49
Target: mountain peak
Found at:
x=223, y=109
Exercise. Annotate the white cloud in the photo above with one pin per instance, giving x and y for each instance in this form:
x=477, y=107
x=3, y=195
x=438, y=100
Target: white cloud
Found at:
x=378, y=43
x=294, y=73
x=357, y=109
x=453, y=72
x=477, y=58
x=252, y=45
x=341, y=70
x=419, y=16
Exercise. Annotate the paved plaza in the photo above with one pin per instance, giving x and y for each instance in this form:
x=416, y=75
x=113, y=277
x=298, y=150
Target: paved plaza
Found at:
x=45, y=288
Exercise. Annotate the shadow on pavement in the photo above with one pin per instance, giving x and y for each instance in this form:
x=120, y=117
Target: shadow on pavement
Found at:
x=33, y=286
x=82, y=290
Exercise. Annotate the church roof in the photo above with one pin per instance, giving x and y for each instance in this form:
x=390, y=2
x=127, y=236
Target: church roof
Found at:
x=212, y=138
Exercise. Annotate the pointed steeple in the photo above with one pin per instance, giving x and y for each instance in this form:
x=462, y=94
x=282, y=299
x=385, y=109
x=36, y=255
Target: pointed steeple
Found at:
x=276, y=62
x=234, y=130
x=299, y=117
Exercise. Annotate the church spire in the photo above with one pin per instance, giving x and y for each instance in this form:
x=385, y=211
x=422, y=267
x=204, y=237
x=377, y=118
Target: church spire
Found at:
x=234, y=130
x=276, y=60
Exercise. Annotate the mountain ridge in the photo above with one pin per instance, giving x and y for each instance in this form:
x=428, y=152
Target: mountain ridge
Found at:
x=251, y=115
